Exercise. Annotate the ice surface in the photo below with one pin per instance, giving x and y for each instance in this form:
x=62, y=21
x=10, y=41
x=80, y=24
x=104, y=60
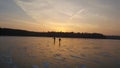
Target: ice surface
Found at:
x=79, y=53
x=75, y=57
x=10, y=61
x=15, y=66
x=59, y=57
x=80, y=66
x=105, y=54
x=46, y=64
x=35, y=66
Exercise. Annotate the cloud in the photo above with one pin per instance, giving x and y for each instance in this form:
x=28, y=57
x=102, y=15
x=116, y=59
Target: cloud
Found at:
x=64, y=10
x=77, y=13
x=73, y=12
x=9, y=10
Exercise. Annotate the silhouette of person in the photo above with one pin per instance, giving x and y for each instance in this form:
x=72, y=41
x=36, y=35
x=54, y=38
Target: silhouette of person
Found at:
x=59, y=39
x=54, y=39
x=59, y=42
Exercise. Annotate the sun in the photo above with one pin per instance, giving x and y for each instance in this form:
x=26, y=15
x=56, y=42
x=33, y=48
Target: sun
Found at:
x=60, y=29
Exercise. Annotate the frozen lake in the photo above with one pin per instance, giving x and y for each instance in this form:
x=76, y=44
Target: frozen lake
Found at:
x=43, y=52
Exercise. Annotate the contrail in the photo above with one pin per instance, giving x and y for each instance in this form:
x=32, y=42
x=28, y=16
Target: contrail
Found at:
x=76, y=13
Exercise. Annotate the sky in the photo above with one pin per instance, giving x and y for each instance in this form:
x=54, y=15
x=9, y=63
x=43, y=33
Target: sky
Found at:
x=92, y=16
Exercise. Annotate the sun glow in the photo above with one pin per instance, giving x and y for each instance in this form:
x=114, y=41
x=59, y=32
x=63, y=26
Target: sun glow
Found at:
x=61, y=29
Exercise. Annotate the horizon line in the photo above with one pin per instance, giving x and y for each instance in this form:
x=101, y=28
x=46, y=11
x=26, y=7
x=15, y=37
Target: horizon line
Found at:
x=57, y=31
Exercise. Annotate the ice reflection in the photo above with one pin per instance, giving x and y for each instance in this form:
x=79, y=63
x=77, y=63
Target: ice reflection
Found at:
x=34, y=52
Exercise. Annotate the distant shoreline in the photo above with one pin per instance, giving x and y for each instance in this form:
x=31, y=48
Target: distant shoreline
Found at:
x=24, y=33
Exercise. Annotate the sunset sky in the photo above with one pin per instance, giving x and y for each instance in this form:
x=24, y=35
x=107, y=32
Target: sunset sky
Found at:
x=101, y=16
